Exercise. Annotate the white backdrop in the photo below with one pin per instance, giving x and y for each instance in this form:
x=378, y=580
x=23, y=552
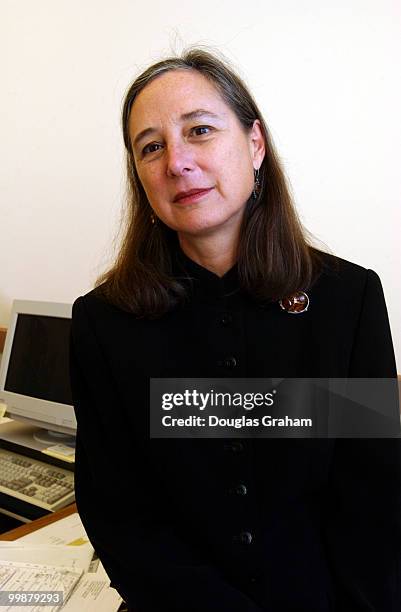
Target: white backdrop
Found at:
x=325, y=74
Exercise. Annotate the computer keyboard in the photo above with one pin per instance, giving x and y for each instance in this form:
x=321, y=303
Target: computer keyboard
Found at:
x=35, y=482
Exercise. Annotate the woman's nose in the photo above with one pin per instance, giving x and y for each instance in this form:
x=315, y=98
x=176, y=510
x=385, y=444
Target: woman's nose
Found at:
x=179, y=159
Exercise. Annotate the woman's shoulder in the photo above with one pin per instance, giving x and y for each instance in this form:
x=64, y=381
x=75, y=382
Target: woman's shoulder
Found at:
x=334, y=270
x=343, y=285
x=95, y=304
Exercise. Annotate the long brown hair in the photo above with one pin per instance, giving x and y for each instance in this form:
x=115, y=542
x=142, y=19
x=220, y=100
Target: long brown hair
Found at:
x=274, y=256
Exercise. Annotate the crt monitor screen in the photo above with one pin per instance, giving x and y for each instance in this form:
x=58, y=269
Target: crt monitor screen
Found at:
x=38, y=364
x=34, y=370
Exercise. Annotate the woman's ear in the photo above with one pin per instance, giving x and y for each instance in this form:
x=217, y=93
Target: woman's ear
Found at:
x=258, y=145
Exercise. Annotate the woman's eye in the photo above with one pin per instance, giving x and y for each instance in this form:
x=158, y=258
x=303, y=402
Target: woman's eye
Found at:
x=147, y=149
x=201, y=127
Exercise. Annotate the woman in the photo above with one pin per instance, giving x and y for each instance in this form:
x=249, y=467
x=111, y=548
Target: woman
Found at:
x=216, y=279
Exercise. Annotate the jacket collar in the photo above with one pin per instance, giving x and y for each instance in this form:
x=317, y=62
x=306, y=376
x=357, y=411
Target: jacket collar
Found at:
x=203, y=280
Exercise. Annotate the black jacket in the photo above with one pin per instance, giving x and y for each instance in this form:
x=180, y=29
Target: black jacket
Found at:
x=319, y=526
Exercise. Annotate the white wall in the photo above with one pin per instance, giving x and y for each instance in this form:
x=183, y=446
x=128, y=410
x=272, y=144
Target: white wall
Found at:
x=325, y=74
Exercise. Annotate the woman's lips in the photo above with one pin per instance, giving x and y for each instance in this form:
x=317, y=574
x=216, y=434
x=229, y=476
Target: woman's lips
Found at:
x=194, y=197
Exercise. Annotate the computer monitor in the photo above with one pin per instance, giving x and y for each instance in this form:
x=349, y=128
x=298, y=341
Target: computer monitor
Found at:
x=34, y=373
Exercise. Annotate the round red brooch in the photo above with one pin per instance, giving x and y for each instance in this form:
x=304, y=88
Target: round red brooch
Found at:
x=295, y=303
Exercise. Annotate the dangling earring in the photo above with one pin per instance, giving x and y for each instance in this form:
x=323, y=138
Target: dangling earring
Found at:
x=153, y=219
x=256, y=186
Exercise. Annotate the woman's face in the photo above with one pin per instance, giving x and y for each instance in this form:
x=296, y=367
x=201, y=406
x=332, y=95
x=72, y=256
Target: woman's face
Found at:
x=185, y=137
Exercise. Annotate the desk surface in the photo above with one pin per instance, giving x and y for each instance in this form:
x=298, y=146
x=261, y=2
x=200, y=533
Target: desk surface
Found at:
x=38, y=523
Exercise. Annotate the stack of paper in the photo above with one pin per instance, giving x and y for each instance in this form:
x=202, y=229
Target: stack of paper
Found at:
x=58, y=557
x=54, y=583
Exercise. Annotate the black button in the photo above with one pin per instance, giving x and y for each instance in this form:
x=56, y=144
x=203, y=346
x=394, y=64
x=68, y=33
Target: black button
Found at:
x=239, y=489
x=234, y=447
x=226, y=319
x=245, y=537
x=229, y=362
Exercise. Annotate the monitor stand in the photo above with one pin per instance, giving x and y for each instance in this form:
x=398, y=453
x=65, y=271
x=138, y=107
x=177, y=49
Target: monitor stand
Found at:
x=47, y=436
x=23, y=435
